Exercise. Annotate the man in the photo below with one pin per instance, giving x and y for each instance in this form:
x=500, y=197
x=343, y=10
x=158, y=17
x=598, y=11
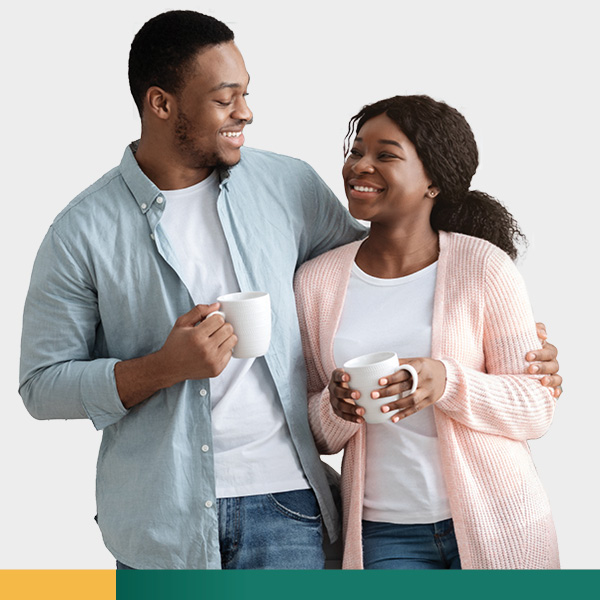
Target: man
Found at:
x=206, y=461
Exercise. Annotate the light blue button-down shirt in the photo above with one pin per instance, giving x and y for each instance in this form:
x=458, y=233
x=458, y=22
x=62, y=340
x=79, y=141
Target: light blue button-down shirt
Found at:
x=106, y=286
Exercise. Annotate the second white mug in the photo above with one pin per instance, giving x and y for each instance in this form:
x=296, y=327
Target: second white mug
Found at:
x=365, y=372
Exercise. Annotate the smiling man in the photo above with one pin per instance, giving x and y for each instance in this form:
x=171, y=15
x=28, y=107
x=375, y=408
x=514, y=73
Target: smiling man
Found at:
x=207, y=461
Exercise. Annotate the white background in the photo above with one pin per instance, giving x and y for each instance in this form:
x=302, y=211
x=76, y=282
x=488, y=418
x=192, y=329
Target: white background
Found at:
x=523, y=73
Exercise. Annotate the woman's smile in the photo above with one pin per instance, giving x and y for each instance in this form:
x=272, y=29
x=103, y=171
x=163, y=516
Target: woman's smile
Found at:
x=363, y=190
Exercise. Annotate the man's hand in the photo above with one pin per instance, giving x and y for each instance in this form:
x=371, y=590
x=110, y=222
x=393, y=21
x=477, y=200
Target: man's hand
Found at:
x=196, y=348
x=544, y=363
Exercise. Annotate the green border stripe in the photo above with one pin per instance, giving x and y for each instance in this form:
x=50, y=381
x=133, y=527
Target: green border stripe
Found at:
x=364, y=585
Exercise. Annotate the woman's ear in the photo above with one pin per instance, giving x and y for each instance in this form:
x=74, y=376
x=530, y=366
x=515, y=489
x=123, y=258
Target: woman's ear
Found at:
x=433, y=191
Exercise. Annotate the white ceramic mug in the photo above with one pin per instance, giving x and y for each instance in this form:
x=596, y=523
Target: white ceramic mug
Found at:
x=250, y=315
x=365, y=372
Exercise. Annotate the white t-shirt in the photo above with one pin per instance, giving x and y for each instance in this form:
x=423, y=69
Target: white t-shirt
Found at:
x=253, y=450
x=404, y=482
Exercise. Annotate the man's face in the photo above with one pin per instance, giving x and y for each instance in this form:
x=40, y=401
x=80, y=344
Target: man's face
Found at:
x=212, y=110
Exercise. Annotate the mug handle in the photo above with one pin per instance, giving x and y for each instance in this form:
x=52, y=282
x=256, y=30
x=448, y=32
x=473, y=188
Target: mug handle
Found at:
x=415, y=378
x=218, y=312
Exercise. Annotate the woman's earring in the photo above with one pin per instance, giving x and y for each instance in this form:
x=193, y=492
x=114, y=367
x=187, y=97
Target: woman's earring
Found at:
x=432, y=194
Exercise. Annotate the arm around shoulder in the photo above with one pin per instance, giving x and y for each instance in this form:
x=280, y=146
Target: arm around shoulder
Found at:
x=328, y=222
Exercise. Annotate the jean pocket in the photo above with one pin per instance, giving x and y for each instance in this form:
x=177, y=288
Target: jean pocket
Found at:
x=300, y=505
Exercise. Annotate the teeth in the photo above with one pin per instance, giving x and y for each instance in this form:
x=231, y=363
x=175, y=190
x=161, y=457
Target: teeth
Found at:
x=362, y=188
x=232, y=133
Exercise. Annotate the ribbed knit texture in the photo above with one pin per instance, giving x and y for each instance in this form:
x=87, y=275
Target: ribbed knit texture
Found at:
x=482, y=329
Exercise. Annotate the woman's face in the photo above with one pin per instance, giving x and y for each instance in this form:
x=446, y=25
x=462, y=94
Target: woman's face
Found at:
x=384, y=179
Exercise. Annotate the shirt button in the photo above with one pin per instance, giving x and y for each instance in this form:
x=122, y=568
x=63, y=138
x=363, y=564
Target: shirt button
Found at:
x=144, y=206
x=204, y=448
x=208, y=504
x=151, y=236
x=203, y=392
x=159, y=200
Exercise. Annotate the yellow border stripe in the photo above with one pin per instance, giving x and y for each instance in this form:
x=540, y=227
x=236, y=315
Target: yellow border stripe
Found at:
x=59, y=585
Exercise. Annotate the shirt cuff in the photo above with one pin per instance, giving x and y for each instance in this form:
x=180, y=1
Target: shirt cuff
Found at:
x=99, y=394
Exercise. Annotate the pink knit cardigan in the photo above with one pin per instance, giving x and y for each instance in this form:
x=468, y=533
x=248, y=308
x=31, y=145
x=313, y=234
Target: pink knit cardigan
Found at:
x=482, y=329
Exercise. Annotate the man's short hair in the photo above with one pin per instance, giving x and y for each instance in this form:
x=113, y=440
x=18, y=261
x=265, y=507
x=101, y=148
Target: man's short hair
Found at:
x=163, y=50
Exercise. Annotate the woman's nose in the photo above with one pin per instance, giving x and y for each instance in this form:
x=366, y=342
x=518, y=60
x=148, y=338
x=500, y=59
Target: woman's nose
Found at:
x=363, y=165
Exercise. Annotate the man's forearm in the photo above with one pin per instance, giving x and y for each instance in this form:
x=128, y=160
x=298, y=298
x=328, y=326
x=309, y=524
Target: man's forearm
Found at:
x=139, y=378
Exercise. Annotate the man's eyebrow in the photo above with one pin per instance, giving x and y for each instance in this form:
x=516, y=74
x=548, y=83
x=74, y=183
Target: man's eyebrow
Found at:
x=227, y=85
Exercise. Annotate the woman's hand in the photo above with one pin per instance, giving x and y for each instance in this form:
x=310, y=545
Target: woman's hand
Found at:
x=342, y=398
x=431, y=386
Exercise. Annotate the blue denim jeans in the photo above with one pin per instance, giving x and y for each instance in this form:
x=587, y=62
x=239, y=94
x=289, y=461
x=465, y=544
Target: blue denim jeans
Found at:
x=270, y=531
x=391, y=546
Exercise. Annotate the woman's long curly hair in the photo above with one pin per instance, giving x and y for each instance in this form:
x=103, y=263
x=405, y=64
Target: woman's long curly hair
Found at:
x=446, y=146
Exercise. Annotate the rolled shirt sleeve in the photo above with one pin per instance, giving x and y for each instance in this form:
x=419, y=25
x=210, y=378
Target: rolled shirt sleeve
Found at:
x=62, y=376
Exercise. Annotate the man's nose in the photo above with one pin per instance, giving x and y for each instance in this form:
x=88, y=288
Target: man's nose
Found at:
x=242, y=111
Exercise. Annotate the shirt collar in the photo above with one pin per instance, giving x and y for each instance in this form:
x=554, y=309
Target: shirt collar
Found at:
x=143, y=189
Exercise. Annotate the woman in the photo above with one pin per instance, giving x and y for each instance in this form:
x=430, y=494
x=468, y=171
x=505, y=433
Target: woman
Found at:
x=448, y=482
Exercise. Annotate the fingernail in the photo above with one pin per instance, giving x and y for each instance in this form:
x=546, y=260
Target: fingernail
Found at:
x=531, y=356
x=360, y=411
x=385, y=409
x=534, y=369
x=355, y=395
x=383, y=382
x=395, y=419
x=375, y=395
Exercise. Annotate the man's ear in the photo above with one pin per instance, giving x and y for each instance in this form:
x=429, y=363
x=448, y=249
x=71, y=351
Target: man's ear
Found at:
x=159, y=103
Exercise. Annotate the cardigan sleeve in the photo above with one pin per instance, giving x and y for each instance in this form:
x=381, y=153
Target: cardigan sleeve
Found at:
x=503, y=400
x=330, y=431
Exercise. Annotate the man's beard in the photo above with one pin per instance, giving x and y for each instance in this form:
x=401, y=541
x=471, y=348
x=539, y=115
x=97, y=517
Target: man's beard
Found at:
x=191, y=153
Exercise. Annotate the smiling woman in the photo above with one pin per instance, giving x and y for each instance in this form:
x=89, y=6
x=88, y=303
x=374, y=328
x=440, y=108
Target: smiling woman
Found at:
x=386, y=182
x=416, y=488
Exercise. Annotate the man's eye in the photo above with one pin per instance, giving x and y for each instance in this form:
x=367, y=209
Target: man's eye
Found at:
x=223, y=102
